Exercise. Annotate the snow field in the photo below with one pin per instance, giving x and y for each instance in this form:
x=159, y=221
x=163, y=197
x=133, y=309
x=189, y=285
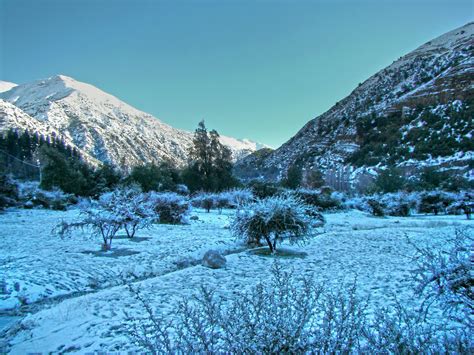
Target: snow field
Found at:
x=353, y=245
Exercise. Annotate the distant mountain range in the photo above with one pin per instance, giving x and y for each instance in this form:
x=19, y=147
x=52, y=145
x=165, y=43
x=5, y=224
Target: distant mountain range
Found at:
x=418, y=111
x=99, y=125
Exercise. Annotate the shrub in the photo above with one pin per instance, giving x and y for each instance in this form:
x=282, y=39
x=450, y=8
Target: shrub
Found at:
x=399, y=204
x=392, y=204
x=464, y=204
x=104, y=223
x=435, y=201
x=376, y=208
x=284, y=315
x=227, y=199
x=151, y=177
x=222, y=201
x=288, y=315
x=32, y=196
x=446, y=276
x=237, y=197
x=171, y=207
x=134, y=206
x=55, y=199
x=8, y=192
x=275, y=219
x=204, y=200
x=323, y=200
x=262, y=189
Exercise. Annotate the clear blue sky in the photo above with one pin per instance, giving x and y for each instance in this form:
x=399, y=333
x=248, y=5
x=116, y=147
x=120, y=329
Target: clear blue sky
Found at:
x=251, y=69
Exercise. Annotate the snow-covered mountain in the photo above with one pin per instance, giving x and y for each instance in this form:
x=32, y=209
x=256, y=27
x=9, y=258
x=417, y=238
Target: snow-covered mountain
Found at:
x=102, y=126
x=417, y=110
x=6, y=85
x=11, y=117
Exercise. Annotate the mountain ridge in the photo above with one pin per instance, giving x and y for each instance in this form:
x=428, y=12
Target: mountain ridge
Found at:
x=102, y=126
x=436, y=73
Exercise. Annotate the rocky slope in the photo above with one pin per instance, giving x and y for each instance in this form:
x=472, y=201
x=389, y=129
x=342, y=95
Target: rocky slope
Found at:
x=434, y=80
x=101, y=125
x=11, y=117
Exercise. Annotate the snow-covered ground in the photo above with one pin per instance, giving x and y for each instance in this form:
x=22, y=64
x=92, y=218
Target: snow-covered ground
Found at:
x=80, y=297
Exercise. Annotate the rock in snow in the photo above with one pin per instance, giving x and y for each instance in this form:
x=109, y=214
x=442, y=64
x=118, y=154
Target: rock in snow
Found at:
x=213, y=259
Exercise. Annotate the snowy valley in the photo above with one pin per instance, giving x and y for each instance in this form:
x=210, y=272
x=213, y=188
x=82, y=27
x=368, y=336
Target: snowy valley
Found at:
x=123, y=234
x=82, y=305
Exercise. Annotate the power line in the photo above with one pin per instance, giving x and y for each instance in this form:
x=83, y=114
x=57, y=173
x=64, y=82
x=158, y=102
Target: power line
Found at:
x=21, y=161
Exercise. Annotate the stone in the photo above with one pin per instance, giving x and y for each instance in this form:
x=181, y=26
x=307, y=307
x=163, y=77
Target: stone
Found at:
x=213, y=259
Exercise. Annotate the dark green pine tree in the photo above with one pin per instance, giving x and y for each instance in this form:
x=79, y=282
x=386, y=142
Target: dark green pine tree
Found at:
x=293, y=177
x=389, y=180
x=221, y=157
x=210, y=163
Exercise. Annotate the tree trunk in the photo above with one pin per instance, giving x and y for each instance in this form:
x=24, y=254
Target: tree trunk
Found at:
x=270, y=245
x=130, y=234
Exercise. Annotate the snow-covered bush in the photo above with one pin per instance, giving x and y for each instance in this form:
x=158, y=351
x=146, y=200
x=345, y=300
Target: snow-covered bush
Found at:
x=103, y=223
x=238, y=197
x=448, y=275
x=376, y=208
x=402, y=330
x=464, y=203
x=275, y=219
x=171, y=207
x=436, y=201
x=288, y=315
x=357, y=203
x=135, y=207
x=284, y=315
x=324, y=200
x=400, y=204
x=204, y=200
x=33, y=196
x=182, y=189
x=55, y=199
x=227, y=199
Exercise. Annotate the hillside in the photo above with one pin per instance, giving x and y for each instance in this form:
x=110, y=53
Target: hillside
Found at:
x=415, y=112
x=101, y=125
x=11, y=117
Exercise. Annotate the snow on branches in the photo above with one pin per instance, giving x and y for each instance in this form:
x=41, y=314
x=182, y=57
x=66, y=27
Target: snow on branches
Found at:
x=275, y=219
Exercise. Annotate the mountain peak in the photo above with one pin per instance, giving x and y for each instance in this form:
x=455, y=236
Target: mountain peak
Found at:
x=72, y=85
x=104, y=127
x=6, y=85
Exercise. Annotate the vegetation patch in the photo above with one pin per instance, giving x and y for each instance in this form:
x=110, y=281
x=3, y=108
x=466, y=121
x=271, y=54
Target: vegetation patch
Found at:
x=282, y=253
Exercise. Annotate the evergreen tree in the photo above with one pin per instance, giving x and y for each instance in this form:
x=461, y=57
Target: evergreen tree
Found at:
x=210, y=163
x=58, y=171
x=151, y=177
x=314, y=179
x=389, y=180
x=293, y=177
x=107, y=177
